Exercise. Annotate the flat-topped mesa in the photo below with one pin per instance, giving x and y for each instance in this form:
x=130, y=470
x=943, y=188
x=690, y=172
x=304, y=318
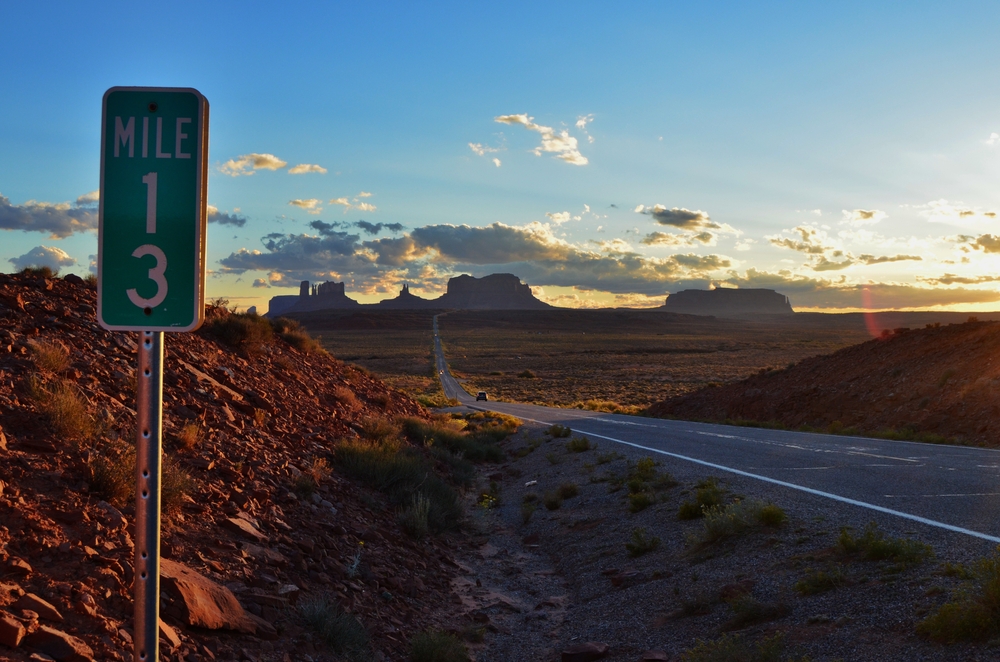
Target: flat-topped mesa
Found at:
x=493, y=292
x=729, y=302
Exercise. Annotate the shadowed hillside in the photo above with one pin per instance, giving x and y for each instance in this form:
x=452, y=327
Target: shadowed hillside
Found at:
x=939, y=381
x=292, y=487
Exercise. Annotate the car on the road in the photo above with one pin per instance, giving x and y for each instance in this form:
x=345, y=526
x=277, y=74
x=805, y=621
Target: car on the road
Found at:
x=481, y=396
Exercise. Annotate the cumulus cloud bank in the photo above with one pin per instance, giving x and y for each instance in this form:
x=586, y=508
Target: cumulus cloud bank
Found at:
x=43, y=256
x=561, y=144
x=304, y=168
x=247, y=164
x=225, y=218
x=59, y=220
x=531, y=251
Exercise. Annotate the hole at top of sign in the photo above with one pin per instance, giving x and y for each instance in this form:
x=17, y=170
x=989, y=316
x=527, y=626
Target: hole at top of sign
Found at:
x=147, y=310
x=152, y=106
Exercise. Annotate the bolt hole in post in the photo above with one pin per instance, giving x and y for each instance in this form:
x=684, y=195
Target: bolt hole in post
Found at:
x=153, y=107
x=147, y=310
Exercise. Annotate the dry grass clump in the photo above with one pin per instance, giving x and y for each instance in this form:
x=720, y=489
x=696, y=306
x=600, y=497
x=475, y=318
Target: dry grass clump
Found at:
x=292, y=333
x=736, y=519
x=641, y=543
x=557, y=431
x=435, y=646
x=552, y=500
x=873, y=545
x=568, y=490
x=820, y=581
x=579, y=445
x=379, y=429
x=974, y=614
x=63, y=407
x=342, y=632
x=708, y=495
x=188, y=437
x=346, y=397
x=476, y=443
x=400, y=472
x=414, y=516
x=733, y=648
x=41, y=271
x=609, y=406
x=49, y=357
x=243, y=331
x=748, y=611
x=111, y=474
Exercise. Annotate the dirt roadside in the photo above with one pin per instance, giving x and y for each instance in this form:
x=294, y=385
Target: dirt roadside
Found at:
x=539, y=581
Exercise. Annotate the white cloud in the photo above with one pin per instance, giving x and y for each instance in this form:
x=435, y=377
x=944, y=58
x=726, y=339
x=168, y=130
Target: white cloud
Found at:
x=247, y=164
x=43, y=256
x=341, y=201
x=942, y=211
x=311, y=205
x=260, y=282
x=91, y=198
x=364, y=206
x=581, y=123
x=225, y=218
x=365, y=194
x=993, y=139
x=562, y=144
x=745, y=244
x=59, y=219
x=860, y=217
x=558, y=217
x=496, y=162
x=303, y=168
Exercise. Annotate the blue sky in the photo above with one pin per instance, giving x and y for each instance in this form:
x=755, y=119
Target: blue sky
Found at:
x=844, y=155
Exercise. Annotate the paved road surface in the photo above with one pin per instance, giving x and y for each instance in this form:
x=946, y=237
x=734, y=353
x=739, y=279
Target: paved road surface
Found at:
x=950, y=487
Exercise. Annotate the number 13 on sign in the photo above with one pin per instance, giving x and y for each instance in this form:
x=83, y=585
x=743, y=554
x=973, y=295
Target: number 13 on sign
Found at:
x=154, y=140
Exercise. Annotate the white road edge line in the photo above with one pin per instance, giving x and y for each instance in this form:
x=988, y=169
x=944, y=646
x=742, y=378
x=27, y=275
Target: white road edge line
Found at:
x=801, y=488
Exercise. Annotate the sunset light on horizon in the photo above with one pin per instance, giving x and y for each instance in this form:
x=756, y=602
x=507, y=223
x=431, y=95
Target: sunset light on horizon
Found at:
x=846, y=156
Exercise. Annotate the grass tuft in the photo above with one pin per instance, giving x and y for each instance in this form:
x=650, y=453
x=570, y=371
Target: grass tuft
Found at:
x=736, y=519
x=414, y=517
x=579, y=445
x=873, y=545
x=342, y=632
x=189, y=437
x=820, y=581
x=557, y=431
x=708, y=495
x=552, y=500
x=568, y=490
x=733, y=648
x=641, y=543
x=243, y=331
x=63, y=407
x=49, y=357
x=436, y=646
x=400, y=473
x=974, y=614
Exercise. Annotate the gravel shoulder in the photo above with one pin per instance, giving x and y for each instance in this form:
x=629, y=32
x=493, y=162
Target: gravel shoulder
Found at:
x=542, y=581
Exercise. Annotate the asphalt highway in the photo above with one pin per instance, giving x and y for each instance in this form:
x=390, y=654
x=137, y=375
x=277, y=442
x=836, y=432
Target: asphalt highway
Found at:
x=950, y=487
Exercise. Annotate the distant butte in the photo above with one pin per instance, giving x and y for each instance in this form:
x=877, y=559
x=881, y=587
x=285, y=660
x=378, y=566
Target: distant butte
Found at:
x=729, y=302
x=493, y=292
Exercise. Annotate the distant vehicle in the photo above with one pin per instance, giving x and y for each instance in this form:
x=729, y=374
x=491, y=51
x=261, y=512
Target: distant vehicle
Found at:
x=481, y=396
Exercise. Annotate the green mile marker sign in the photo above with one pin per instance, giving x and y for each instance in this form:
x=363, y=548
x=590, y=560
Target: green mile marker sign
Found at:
x=153, y=209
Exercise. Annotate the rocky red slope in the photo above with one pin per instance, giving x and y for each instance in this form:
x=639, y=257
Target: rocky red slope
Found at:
x=242, y=531
x=940, y=380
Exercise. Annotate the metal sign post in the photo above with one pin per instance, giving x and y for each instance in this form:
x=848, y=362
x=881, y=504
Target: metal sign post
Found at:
x=149, y=437
x=151, y=279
